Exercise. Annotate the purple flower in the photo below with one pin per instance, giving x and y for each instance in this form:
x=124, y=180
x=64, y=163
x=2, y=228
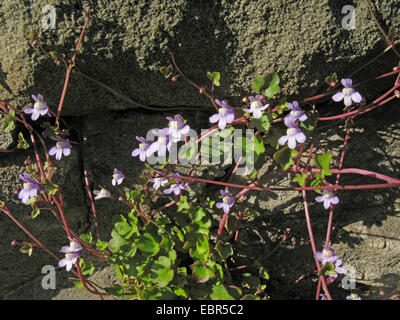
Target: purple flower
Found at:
x=176, y=187
x=159, y=182
x=30, y=188
x=327, y=198
x=353, y=296
x=62, y=147
x=225, y=114
x=227, y=201
x=102, y=193
x=327, y=255
x=256, y=106
x=118, y=177
x=40, y=107
x=141, y=151
x=162, y=144
x=338, y=269
x=177, y=128
x=74, y=246
x=69, y=260
x=348, y=94
x=296, y=113
x=293, y=134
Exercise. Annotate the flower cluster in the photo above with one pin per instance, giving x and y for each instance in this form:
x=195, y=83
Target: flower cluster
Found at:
x=328, y=256
x=71, y=254
x=176, y=131
x=293, y=133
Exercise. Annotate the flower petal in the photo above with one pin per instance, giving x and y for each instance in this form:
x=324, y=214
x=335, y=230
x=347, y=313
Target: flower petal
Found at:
x=338, y=96
x=356, y=97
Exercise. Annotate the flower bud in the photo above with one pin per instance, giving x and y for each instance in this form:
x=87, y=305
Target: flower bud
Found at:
x=121, y=198
x=202, y=90
x=293, y=240
x=396, y=68
x=175, y=77
x=245, y=100
x=14, y=242
x=27, y=161
x=332, y=83
x=397, y=93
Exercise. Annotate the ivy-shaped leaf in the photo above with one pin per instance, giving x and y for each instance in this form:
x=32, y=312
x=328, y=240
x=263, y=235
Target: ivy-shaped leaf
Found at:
x=283, y=157
x=200, y=272
x=219, y=292
x=267, y=85
x=324, y=162
x=215, y=77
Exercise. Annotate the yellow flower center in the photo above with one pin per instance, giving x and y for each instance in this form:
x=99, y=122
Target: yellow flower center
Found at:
x=347, y=91
x=173, y=124
x=291, y=131
x=37, y=105
x=162, y=140
x=222, y=111
x=295, y=113
x=255, y=105
x=142, y=146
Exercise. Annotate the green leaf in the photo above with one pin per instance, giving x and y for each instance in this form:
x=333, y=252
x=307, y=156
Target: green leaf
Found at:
x=261, y=124
x=131, y=196
x=224, y=249
x=183, y=203
x=273, y=136
x=180, y=292
x=87, y=268
x=219, y=292
x=197, y=214
x=78, y=283
x=215, y=77
x=8, y=123
x=201, y=273
x=87, y=238
x=300, y=178
x=22, y=143
x=161, y=273
x=148, y=244
x=201, y=250
x=101, y=245
x=324, y=163
x=35, y=212
x=258, y=145
x=188, y=151
x=117, y=290
x=316, y=182
x=283, y=107
x=267, y=85
x=283, y=157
